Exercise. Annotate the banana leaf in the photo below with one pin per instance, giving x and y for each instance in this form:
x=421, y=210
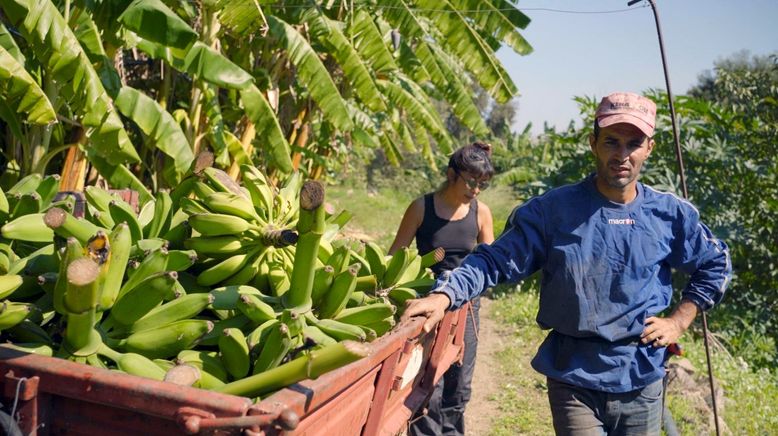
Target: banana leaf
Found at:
x=261, y=114
x=154, y=21
x=463, y=40
x=55, y=45
x=370, y=44
x=19, y=90
x=207, y=64
x=454, y=91
x=216, y=130
x=8, y=43
x=242, y=15
x=500, y=19
x=312, y=73
x=404, y=99
x=156, y=123
x=88, y=35
x=329, y=34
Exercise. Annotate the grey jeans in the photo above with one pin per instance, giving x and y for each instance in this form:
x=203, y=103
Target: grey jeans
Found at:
x=579, y=411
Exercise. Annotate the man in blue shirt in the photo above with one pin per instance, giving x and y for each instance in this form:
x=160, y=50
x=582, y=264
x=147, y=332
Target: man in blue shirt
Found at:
x=605, y=247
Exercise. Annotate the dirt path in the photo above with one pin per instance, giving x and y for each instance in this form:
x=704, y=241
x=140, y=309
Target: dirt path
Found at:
x=481, y=412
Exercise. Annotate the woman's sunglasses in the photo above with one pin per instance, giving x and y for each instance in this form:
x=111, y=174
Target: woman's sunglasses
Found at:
x=473, y=183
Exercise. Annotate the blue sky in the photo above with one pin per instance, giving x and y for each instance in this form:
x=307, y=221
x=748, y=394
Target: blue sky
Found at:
x=595, y=54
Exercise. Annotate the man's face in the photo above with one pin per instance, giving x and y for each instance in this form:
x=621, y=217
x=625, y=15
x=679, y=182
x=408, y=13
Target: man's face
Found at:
x=620, y=151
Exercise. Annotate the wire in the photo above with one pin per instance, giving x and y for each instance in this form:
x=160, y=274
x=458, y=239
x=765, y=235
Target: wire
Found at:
x=467, y=11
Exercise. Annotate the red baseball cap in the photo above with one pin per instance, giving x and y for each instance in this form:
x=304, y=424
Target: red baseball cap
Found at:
x=626, y=107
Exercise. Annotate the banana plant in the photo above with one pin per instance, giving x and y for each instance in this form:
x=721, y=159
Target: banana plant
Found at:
x=152, y=83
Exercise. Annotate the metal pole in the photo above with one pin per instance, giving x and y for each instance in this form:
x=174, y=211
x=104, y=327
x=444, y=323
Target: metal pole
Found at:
x=679, y=159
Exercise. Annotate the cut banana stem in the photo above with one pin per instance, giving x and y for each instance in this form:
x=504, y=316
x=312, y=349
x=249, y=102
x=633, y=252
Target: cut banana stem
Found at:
x=82, y=285
x=66, y=225
x=310, y=227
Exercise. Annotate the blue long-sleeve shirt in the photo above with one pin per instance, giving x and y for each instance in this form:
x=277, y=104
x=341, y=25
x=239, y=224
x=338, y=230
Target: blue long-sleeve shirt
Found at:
x=605, y=269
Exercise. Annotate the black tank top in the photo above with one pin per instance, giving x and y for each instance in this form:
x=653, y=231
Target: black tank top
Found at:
x=458, y=237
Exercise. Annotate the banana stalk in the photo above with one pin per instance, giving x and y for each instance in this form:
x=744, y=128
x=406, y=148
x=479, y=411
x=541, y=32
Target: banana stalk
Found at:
x=310, y=365
x=310, y=227
x=66, y=225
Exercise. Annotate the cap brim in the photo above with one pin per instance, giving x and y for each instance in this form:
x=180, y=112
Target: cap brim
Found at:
x=609, y=120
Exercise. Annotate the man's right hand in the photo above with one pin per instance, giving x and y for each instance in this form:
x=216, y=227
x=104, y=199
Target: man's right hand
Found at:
x=432, y=306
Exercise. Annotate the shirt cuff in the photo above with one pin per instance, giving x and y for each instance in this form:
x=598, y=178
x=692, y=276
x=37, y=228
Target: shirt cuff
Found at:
x=703, y=303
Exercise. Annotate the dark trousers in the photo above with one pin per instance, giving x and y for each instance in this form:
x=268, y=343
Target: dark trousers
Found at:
x=446, y=408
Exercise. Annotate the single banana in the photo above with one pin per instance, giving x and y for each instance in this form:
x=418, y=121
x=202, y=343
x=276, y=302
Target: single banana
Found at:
x=163, y=214
x=216, y=246
x=230, y=204
x=375, y=257
x=12, y=313
x=341, y=331
x=154, y=262
x=184, y=307
x=255, y=309
x=223, y=270
x=168, y=340
x=317, y=336
x=322, y=280
x=402, y=294
x=181, y=260
x=221, y=181
x=8, y=284
x=382, y=326
x=28, y=228
x=363, y=315
x=134, y=364
x=25, y=185
x=234, y=352
x=121, y=212
x=218, y=224
x=140, y=300
x=112, y=278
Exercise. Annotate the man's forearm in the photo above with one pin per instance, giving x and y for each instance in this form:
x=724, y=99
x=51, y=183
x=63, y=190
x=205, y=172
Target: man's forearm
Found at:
x=684, y=314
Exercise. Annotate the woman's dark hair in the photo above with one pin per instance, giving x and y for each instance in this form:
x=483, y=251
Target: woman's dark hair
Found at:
x=473, y=159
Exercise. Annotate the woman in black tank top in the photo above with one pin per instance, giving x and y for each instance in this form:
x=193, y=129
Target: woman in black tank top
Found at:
x=454, y=219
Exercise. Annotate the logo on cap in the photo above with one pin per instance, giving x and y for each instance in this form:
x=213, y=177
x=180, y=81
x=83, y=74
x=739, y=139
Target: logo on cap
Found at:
x=626, y=107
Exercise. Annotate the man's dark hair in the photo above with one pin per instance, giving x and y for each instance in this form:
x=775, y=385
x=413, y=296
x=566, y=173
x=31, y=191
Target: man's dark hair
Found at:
x=596, y=129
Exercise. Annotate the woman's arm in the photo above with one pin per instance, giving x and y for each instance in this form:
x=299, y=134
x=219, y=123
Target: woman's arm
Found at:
x=485, y=224
x=408, y=226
